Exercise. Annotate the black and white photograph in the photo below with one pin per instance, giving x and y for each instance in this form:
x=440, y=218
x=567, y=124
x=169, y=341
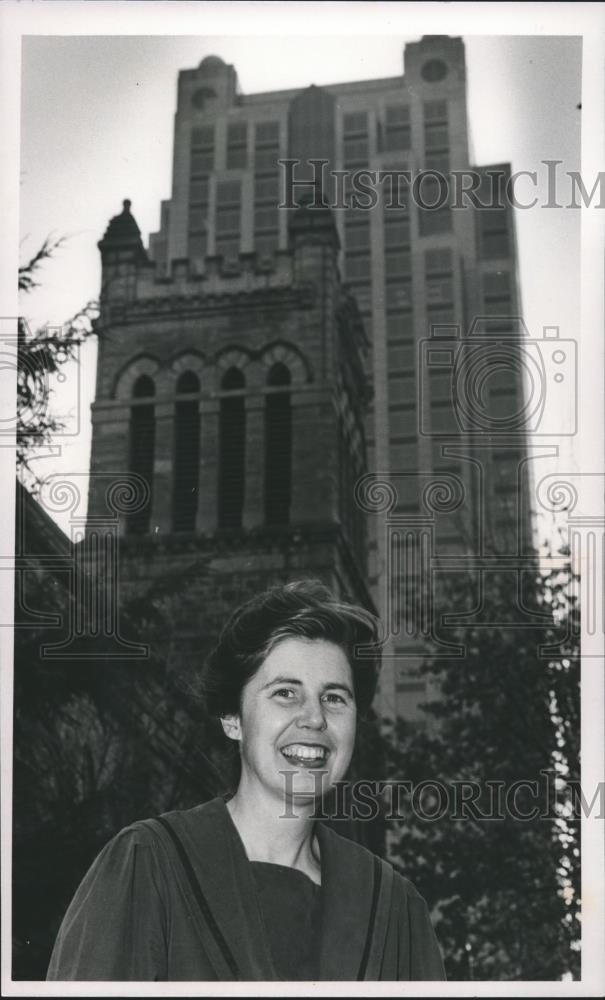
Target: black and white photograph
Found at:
x=302, y=430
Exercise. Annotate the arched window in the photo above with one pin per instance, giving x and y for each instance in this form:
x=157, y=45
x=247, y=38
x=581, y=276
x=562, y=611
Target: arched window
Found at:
x=186, y=454
x=278, y=446
x=141, y=447
x=232, y=452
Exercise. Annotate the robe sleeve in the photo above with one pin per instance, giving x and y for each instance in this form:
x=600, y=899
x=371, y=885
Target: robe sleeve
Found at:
x=426, y=960
x=115, y=926
x=419, y=952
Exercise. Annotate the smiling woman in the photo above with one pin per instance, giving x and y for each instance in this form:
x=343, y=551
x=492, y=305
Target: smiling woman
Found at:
x=252, y=887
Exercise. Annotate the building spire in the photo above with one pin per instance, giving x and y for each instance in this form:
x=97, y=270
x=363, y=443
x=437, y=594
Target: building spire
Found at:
x=122, y=232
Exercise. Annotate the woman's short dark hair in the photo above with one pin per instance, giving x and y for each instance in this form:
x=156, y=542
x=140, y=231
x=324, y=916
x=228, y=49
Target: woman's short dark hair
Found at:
x=304, y=609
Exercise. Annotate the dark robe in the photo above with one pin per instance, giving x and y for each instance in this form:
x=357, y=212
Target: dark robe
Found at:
x=174, y=899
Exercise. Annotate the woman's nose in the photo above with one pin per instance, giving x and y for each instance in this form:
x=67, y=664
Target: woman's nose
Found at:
x=312, y=715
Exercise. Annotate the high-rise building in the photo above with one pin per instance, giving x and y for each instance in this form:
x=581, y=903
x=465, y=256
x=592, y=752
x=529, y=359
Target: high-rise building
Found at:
x=433, y=271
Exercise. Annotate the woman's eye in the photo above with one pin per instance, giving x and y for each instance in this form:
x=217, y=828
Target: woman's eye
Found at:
x=284, y=692
x=335, y=698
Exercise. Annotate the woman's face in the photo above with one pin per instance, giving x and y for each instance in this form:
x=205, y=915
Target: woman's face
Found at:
x=297, y=721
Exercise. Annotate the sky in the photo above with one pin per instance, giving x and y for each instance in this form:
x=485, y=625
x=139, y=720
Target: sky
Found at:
x=97, y=127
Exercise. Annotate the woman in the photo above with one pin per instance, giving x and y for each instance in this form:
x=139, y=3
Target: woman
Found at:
x=252, y=887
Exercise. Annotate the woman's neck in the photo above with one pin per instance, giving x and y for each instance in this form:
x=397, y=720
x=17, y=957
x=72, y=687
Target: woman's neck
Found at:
x=269, y=835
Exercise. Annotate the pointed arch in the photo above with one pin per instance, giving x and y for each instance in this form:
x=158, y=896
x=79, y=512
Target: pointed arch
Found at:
x=288, y=355
x=189, y=361
x=187, y=382
x=234, y=356
x=143, y=364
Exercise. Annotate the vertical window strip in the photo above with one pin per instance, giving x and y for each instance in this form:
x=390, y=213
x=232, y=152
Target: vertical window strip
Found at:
x=186, y=455
x=278, y=448
x=141, y=450
x=232, y=452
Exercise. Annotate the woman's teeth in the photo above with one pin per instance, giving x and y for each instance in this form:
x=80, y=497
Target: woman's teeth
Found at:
x=301, y=752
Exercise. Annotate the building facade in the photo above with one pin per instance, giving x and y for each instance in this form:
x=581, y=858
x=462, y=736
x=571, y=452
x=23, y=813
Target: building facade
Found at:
x=235, y=313
x=231, y=407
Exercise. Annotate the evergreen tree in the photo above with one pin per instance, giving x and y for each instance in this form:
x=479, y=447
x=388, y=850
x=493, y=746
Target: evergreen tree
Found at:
x=40, y=356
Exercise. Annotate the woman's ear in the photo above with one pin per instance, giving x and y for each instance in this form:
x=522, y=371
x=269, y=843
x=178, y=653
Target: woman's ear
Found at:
x=232, y=726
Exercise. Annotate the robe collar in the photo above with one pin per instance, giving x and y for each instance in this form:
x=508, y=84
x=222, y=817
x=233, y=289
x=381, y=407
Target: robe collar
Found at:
x=355, y=897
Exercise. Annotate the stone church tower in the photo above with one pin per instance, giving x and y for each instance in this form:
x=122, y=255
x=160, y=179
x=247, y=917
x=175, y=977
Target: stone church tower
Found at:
x=229, y=407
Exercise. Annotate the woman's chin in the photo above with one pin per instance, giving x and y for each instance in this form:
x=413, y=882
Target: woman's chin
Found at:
x=300, y=784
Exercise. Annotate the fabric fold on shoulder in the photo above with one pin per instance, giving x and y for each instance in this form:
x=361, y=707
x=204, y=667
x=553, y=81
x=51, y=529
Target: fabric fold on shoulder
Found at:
x=357, y=890
x=426, y=962
x=115, y=925
x=229, y=916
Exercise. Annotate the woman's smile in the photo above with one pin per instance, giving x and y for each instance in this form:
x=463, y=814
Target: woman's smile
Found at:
x=305, y=754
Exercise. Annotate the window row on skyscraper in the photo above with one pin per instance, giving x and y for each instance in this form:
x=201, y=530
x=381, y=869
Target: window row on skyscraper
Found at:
x=228, y=213
x=356, y=156
x=200, y=168
x=393, y=134
x=266, y=188
x=436, y=158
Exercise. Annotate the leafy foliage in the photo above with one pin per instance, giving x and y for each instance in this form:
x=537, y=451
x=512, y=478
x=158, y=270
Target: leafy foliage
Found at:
x=505, y=890
x=40, y=356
